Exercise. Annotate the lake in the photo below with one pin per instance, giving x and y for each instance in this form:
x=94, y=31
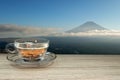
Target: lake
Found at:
x=78, y=45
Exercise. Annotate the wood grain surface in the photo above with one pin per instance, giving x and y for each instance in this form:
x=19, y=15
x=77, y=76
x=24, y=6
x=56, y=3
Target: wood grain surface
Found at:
x=66, y=67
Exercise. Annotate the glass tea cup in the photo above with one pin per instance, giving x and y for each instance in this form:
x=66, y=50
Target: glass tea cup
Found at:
x=29, y=49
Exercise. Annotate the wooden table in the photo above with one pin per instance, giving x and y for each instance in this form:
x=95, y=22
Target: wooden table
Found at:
x=66, y=67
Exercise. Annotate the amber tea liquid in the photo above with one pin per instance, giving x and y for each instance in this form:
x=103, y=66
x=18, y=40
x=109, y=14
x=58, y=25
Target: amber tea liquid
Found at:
x=31, y=50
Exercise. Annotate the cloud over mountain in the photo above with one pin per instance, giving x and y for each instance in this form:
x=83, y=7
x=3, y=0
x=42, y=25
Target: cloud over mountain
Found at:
x=8, y=30
x=86, y=29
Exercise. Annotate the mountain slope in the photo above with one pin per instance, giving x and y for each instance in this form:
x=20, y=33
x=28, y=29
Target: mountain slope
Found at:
x=88, y=26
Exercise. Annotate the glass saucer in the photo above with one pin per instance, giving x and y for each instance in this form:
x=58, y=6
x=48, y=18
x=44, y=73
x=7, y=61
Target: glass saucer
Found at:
x=18, y=61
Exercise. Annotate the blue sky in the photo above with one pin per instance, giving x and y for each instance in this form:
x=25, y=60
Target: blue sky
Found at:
x=65, y=14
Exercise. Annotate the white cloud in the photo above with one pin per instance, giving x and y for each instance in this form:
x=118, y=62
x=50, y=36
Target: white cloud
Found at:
x=91, y=33
x=20, y=31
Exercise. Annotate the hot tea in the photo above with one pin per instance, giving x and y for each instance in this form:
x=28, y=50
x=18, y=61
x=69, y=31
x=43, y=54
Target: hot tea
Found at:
x=33, y=53
x=30, y=52
x=31, y=48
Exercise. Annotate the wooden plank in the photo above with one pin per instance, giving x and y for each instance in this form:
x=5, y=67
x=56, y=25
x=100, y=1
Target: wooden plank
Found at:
x=72, y=67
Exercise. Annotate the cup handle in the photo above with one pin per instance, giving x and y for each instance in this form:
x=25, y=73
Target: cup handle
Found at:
x=12, y=52
x=10, y=48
